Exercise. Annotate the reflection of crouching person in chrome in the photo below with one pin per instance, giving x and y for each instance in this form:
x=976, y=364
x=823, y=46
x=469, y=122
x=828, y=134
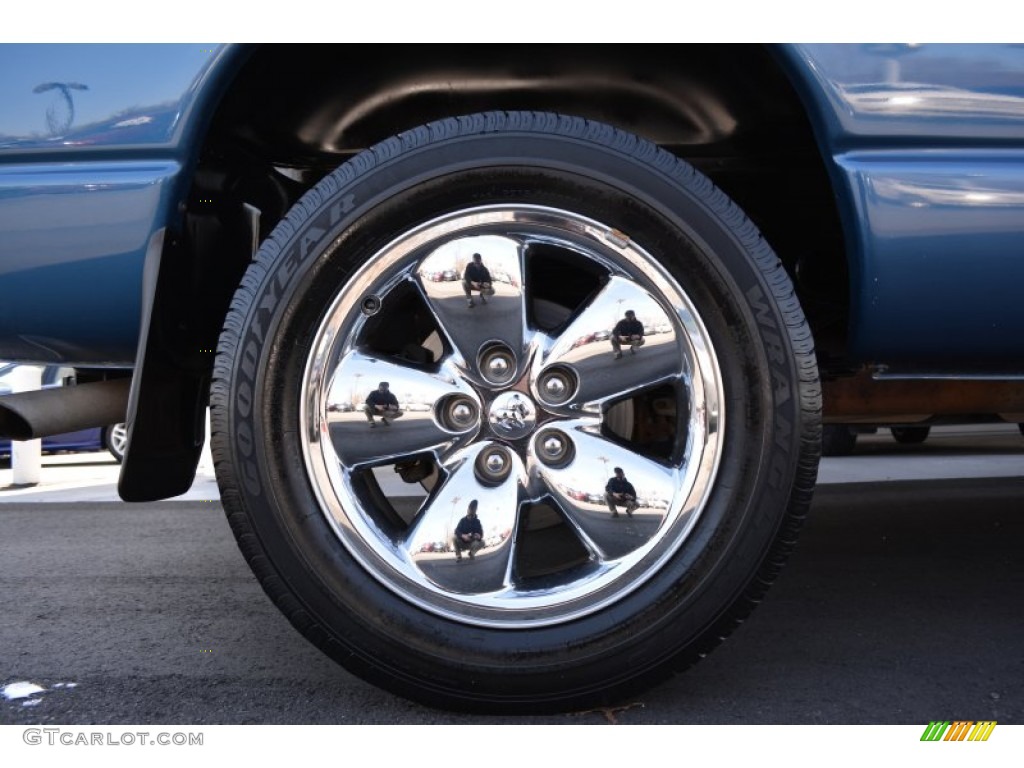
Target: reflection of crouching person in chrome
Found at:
x=477, y=278
x=634, y=343
x=627, y=332
x=469, y=533
x=383, y=412
x=473, y=545
x=619, y=492
x=381, y=403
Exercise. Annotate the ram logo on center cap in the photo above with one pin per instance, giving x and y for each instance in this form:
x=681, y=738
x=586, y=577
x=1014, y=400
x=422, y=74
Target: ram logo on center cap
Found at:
x=512, y=415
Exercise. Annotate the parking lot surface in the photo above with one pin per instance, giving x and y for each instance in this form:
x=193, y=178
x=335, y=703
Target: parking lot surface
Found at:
x=900, y=605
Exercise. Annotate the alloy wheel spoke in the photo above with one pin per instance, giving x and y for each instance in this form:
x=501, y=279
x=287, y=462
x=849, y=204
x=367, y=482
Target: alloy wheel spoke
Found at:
x=603, y=372
x=580, y=488
x=493, y=316
x=430, y=544
x=423, y=399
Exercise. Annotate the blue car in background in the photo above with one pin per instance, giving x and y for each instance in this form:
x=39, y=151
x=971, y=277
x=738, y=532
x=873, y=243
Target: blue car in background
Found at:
x=698, y=257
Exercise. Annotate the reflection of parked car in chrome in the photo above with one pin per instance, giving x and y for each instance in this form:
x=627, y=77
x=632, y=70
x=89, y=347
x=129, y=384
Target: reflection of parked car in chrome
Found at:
x=111, y=438
x=831, y=234
x=416, y=407
x=501, y=276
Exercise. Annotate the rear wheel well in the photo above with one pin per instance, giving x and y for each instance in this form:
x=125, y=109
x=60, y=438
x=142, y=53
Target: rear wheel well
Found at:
x=294, y=113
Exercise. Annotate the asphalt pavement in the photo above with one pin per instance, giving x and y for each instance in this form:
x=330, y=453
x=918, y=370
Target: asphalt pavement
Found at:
x=900, y=605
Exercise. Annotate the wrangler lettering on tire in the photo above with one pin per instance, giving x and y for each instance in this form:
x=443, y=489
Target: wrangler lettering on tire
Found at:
x=626, y=396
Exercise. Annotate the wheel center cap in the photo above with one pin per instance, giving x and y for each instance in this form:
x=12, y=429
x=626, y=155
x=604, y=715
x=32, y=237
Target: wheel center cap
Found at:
x=512, y=415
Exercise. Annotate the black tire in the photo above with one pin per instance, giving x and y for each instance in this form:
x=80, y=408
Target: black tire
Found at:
x=456, y=650
x=114, y=440
x=910, y=435
x=837, y=440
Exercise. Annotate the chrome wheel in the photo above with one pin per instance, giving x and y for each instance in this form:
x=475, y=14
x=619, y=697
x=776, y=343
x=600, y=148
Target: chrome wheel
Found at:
x=519, y=402
x=508, y=395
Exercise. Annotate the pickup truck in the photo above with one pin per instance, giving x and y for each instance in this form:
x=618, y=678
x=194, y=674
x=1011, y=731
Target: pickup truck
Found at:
x=693, y=257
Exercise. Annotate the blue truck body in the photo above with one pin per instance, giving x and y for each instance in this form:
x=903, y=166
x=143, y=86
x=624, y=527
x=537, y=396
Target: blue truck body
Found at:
x=924, y=147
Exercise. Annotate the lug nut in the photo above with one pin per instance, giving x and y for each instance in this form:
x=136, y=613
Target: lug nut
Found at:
x=462, y=413
x=498, y=367
x=493, y=465
x=557, y=385
x=497, y=363
x=459, y=414
x=554, y=388
x=554, y=448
